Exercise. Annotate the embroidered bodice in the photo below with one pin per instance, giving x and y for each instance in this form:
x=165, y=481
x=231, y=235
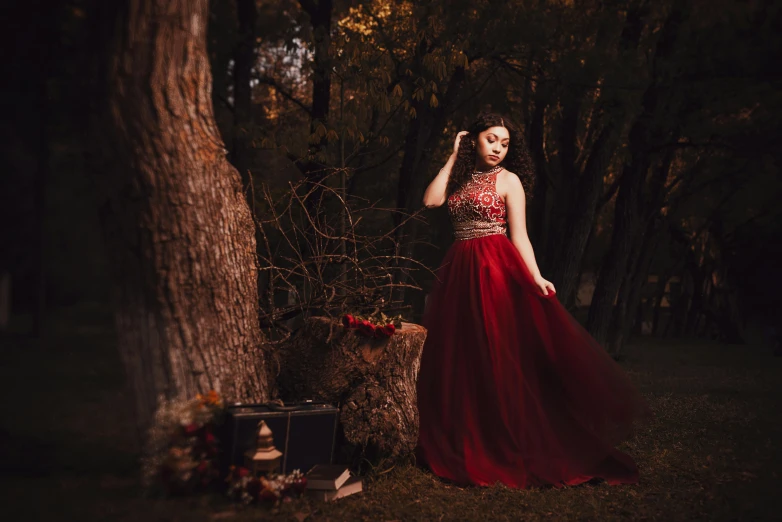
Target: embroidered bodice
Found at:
x=476, y=209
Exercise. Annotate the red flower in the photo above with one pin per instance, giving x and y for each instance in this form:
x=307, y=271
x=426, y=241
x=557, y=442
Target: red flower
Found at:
x=209, y=438
x=202, y=467
x=242, y=472
x=366, y=328
x=348, y=321
x=388, y=330
x=191, y=428
x=300, y=485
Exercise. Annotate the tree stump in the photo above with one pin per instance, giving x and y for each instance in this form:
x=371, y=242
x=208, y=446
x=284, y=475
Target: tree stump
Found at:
x=371, y=380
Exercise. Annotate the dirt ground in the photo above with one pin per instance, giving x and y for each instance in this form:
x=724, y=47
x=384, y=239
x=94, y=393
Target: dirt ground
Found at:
x=714, y=452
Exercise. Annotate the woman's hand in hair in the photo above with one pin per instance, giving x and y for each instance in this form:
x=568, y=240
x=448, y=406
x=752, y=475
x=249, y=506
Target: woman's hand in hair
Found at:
x=458, y=140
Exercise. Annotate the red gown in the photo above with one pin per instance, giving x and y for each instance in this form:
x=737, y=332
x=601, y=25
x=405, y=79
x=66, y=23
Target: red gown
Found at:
x=511, y=388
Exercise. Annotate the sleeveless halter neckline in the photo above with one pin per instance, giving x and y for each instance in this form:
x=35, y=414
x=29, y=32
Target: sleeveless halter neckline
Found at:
x=495, y=169
x=476, y=209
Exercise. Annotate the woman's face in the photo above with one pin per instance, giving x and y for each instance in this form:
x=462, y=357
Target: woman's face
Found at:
x=492, y=146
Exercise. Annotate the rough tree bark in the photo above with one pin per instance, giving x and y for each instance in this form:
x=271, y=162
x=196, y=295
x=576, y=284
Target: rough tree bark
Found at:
x=373, y=381
x=179, y=233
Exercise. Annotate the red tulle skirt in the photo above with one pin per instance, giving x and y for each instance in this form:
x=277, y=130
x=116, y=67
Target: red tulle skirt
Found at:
x=511, y=388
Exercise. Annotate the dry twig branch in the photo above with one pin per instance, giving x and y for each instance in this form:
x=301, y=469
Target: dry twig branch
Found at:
x=315, y=267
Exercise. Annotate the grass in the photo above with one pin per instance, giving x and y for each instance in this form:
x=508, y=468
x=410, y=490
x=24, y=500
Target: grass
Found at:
x=69, y=449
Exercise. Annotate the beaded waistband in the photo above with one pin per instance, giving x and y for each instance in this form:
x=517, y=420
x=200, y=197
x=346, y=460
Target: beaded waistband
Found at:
x=473, y=229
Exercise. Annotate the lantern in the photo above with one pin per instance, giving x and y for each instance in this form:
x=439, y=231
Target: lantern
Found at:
x=264, y=458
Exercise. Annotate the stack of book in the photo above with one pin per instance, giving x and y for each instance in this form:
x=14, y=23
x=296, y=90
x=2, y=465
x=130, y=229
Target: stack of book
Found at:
x=332, y=481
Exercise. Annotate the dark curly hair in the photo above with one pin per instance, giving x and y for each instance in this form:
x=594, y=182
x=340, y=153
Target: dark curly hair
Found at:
x=517, y=160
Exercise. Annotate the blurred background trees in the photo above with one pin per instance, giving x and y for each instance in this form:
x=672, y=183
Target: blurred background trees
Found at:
x=653, y=125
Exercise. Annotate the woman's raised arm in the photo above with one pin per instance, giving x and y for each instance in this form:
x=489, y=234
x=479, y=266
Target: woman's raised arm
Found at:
x=436, y=191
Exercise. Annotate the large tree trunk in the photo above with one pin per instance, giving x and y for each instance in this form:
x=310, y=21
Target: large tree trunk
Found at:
x=179, y=232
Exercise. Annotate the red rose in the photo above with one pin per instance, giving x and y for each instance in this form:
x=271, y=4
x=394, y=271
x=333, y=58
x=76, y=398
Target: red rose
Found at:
x=300, y=485
x=202, y=467
x=242, y=472
x=379, y=331
x=366, y=328
x=209, y=438
x=388, y=330
x=348, y=321
x=191, y=428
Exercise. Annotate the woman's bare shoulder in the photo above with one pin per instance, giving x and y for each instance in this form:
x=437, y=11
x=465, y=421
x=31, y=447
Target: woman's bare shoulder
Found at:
x=509, y=181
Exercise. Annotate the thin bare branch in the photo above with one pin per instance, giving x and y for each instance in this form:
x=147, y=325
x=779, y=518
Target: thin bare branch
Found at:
x=271, y=82
x=310, y=270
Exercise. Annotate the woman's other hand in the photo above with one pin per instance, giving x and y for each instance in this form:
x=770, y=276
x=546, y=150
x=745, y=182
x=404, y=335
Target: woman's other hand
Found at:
x=545, y=285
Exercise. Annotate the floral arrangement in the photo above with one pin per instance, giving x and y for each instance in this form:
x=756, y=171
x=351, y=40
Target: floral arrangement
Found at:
x=245, y=488
x=181, y=451
x=181, y=456
x=377, y=324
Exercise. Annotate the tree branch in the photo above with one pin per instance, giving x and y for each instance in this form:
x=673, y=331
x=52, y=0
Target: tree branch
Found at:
x=386, y=41
x=271, y=82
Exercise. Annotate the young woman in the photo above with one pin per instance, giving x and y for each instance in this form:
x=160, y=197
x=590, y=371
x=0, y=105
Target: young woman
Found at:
x=511, y=388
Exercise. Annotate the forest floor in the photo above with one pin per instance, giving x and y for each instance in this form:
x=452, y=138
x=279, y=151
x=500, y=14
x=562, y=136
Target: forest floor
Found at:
x=714, y=451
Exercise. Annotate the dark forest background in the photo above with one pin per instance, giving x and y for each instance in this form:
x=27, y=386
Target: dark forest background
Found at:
x=655, y=129
x=139, y=138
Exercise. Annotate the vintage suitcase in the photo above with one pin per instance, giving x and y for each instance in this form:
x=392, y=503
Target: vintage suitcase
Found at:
x=305, y=433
